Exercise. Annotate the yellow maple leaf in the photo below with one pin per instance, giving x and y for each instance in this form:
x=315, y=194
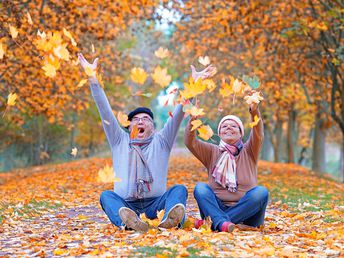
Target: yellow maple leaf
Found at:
x=11, y=99
x=161, y=77
x=255, y=122
x=62, y=52
x=138, y=75
x=107, y=175
x=210, y=84
x=254, y=98
x=90, y=72
x=13, y=32
x=123, y=119
x=194, y=111
x=205, y=132
x=204, y=60
x=161, y=53
x=226, y=90
x=134, y=132
x=69, y=35
x=50, y=70
x=74, y=152
x=81, y=83
x=195, y=124
x=29, y=18
x=192, y=88
x=2, y=51
x=144, y=218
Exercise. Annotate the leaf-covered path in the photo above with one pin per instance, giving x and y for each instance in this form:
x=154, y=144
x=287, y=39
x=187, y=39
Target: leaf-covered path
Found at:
x=54, y=210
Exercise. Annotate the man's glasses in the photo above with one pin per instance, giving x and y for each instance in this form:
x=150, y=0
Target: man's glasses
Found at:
x=143, y=119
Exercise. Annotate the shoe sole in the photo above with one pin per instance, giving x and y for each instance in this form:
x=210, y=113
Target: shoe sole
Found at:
x=131, y=220
x=231, y=227
x=174, y=217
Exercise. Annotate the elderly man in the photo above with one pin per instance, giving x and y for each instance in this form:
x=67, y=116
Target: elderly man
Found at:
x=141, y=164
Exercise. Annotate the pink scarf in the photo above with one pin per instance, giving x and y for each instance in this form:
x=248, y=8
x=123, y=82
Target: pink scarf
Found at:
x=224, y=171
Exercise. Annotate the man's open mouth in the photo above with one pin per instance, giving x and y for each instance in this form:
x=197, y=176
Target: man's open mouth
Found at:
x=141, y=130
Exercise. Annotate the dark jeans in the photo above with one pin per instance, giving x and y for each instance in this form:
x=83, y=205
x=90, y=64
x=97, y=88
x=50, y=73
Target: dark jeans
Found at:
x=250, y=209
x=111, y=203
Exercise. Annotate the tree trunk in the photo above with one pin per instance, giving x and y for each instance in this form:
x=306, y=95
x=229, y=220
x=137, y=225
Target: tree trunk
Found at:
x=319, y=160
x=290, y=136
x=278, y=147
x=267, y=150
x=341, y=162
x=73, y=131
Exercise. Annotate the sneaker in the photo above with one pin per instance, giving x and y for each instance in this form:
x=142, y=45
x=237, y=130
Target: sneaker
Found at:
x=131, y=220
x=174, y=217
x=198, y=223
x=227, y=227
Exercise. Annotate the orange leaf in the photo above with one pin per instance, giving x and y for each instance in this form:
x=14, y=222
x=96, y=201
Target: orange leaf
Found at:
x=134, y=132
x=29, y=18
x=162, y=53
x=123, y=119
x=13, y=32
x=161, y=77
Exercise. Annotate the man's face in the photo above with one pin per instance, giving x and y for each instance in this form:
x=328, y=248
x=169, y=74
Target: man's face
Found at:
x=144, y=125
x=230, y=132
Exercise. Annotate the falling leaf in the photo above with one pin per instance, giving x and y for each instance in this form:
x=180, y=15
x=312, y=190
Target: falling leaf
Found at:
x=237, y=86
x=106, y=122
x=41, y=34
x=255, y=122
x=62, y=52
x=162, y=53
x=227, y=89
x=210, y=84
x=252, y=81
x=195, y=124
x=144, y=94
x=93, y=49
x=81, y=83
x=161, y=77
x=107, y=175
x=29, y=18
x=254, y=98
x=75, y=62
x=170, y=114
x=195, y=112
x=89, y=71
x=50, y=70
x=205, y=132
x=138, y=75
x=134, y=132
x=204, y=60
x=11, y=99
x=123, y=119
x=2, y=51
x=69, y=35
x=192, y=88
x=13, y=32
x=74, y=152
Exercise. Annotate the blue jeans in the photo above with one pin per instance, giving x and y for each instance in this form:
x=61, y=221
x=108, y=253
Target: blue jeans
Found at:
x=250, y=209
x=111, y=203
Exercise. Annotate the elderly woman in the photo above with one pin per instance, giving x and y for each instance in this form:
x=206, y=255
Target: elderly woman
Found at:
x=232, y=195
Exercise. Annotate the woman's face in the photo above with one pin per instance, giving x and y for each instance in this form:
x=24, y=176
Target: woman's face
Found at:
x=230, y=131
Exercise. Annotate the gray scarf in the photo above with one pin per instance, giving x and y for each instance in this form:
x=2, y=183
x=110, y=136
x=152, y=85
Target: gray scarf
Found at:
x=140, y=176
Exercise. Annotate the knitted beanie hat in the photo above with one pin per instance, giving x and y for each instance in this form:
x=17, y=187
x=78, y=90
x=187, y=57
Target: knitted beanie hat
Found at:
x=235, y=119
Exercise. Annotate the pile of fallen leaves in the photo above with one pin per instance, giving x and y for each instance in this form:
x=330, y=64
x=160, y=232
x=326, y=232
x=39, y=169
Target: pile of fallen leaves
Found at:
x=54, y=210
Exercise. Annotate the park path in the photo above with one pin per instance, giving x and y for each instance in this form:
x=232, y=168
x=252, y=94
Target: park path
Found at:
x=54, y=210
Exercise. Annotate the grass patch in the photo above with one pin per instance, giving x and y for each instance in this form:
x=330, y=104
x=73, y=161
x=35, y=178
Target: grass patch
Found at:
x=153, y=251
x=28, y=210
x=149, y=251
